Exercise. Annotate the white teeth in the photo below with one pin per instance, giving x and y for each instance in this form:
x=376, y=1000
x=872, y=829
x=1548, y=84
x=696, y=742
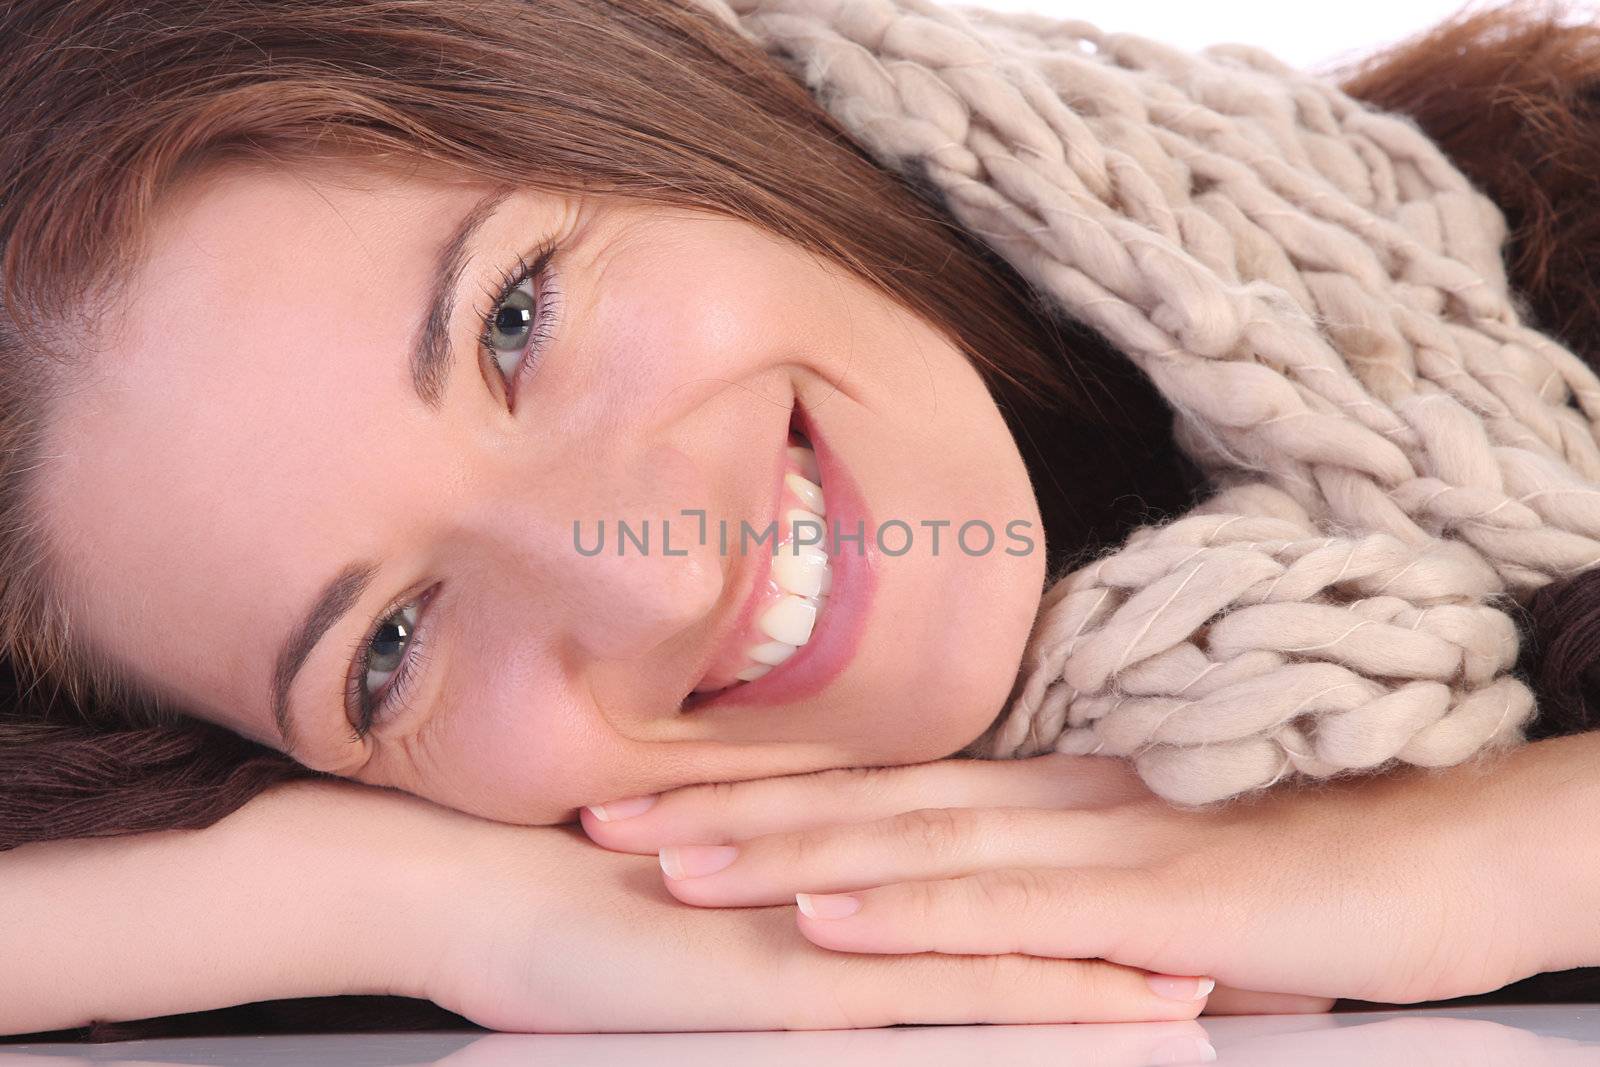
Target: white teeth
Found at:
x=808, y=523
x=789, y=620
x=772, y=653
x=809, y=492
x=806, y=460
x=798, y=569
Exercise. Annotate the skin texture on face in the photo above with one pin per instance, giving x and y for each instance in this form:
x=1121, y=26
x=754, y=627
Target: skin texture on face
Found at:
x=249, y=428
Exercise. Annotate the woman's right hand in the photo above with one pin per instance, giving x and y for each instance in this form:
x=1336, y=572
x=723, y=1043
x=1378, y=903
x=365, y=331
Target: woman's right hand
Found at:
x=538, y=929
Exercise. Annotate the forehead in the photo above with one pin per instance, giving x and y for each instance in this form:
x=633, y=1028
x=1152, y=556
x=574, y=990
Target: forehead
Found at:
x=254, y=383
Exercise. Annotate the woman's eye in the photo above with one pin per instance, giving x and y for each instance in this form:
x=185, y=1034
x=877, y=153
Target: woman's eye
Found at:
x=510, y=326
x=518, y=323
x=387, y=664
x=387, y=650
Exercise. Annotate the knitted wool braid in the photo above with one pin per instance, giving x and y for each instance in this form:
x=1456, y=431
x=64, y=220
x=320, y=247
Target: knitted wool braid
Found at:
x=1318, y=293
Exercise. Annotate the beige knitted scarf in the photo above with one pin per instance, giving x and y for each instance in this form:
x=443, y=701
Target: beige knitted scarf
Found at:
x=1318, y=292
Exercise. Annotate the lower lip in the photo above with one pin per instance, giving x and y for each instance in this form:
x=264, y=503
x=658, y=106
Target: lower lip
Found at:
x=840, y=623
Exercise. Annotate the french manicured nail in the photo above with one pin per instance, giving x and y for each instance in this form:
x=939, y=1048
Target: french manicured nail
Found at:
x=695, y=861
x=1173, y=988
x=828, y=905
x=622, y=809
x=1182, y=1050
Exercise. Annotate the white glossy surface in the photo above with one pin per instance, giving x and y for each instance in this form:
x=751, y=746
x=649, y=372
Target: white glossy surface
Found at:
x=1520, y=1035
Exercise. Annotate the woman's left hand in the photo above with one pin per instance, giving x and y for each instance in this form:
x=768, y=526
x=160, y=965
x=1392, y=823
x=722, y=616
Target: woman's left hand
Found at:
x=1403, y=887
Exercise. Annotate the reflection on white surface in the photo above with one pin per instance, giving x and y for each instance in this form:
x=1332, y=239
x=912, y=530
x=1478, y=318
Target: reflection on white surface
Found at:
x=1520, y=1035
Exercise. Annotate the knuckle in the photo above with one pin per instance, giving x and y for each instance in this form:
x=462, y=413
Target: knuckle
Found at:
x=706, y=796
x=802, y=849
x=936, y=831
x=997, y=978
x=921, y=902
x=1009, y=891
x=989, y=975
x=857, y=784
x=1092, y=982
x=850, y=774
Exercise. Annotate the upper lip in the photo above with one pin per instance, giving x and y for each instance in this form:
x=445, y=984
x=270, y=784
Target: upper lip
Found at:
x=749, y=570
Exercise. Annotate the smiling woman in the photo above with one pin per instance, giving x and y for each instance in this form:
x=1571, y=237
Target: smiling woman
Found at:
x=409, y=559
x=467, y=316
x=332, y=326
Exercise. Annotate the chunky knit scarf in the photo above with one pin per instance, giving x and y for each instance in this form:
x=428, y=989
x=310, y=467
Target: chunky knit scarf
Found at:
x=1318, y=293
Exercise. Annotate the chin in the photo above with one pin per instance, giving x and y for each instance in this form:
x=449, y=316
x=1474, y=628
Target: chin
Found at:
x=977, y=661
x=947, y=744
x=929, y=735
x=951, y=709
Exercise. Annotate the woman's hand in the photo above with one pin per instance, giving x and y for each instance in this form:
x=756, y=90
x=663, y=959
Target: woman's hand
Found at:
x=535, y=929
x=1398, y=888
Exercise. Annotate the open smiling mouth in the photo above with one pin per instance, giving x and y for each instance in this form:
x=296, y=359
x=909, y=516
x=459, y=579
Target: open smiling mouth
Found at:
x=782, y=616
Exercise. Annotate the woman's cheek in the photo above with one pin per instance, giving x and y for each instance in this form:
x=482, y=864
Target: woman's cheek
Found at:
x=511, y=750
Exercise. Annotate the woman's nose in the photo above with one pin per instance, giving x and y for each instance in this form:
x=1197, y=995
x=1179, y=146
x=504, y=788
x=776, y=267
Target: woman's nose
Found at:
x=635, y=566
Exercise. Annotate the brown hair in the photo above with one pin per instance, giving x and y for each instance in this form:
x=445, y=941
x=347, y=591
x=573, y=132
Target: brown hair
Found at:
x=650, y=99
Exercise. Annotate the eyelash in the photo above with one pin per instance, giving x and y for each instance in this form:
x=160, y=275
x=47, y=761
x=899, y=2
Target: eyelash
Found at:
x=548, y=302
x=390, y=699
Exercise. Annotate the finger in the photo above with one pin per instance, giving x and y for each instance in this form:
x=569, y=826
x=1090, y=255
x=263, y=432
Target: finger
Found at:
x=918, y=845
x=719, y=812
x=1122, y=915
x=1226, y=1000
x=936, y=989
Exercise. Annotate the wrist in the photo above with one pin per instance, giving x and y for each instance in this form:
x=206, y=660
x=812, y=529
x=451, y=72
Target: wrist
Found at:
x=304, y=891
x=1555, y=850
x=360, y=877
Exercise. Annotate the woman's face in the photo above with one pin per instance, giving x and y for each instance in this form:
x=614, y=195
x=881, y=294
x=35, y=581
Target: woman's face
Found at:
x=264, y=468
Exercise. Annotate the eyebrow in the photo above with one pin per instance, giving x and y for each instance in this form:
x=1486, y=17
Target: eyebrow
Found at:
x=430, y=371
x=430, y=354
x=342, y=593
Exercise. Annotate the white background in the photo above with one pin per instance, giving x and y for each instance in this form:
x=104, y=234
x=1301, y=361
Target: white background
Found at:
x=1305, y=33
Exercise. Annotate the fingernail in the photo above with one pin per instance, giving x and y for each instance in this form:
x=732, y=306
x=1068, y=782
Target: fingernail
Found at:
x=1173, y=988
x=622, y=809
x=695, y=861
x=828, y=905
x=1182, y=1050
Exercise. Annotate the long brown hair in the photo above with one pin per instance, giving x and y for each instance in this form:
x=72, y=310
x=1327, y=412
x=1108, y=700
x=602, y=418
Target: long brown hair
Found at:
x=651, y=99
